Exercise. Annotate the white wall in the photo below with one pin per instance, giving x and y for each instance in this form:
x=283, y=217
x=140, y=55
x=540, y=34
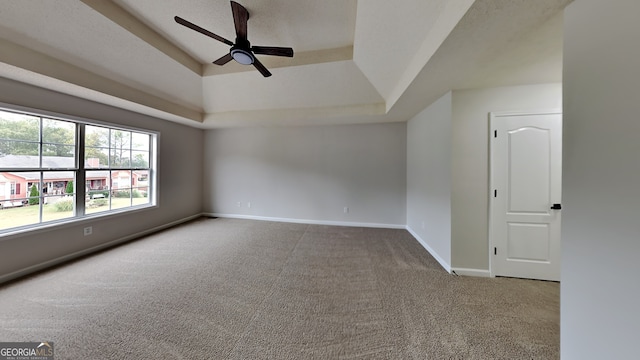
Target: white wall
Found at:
x=600, y=289
x=470, y=163
x=309, y=173
x=180, y=182
x=429, y=179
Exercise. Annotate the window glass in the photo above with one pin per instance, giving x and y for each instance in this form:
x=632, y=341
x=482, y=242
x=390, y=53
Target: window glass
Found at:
x=140, y=187
x=19, y=154
x=121, y=189
x=140, y=141
x=58, y=144
x=14, y=126
x=140, y=159
x=98, y=192
x=58, y=195
x=38, y=169
x=58, y=132
x=19, y=140
x=120, y=149
x=96, y=154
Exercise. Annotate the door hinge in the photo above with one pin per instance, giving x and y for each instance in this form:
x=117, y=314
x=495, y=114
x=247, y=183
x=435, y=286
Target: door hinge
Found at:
x=495, y=251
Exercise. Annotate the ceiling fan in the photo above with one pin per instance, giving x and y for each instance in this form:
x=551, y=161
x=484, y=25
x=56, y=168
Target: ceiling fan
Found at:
x=241, y=51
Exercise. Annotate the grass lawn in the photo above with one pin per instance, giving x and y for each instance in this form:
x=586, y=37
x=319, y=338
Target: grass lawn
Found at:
x=29, y=214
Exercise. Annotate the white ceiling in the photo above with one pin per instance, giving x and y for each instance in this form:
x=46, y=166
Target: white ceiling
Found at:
x=355, y=61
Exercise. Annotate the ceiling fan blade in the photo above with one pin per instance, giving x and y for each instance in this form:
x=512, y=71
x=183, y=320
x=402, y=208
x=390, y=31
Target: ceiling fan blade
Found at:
x=240, y=17
x=223, y=60
x=271, y=50
x=197, y=28
x=263, y=70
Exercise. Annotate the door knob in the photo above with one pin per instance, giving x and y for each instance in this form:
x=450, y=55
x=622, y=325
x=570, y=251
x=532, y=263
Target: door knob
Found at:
x=556, y=207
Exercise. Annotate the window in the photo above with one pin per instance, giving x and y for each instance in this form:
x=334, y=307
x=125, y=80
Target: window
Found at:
x=42, y=159
x=117, y=168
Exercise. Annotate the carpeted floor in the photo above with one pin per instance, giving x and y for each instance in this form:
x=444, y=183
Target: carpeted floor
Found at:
x=240, y=289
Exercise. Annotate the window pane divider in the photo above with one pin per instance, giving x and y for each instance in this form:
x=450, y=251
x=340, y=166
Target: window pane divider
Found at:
x=80, y=180
x=37, y=169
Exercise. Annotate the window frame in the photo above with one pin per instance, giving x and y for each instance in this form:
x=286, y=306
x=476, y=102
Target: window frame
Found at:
x=79, y=170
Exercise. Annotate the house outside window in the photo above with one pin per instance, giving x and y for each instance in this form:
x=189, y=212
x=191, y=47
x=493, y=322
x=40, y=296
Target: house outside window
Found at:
x=42, y=158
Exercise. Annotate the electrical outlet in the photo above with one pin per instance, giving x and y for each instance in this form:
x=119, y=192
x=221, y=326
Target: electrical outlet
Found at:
x=88, y=230
x=346, y=209
x=249, y=204
x=239, y=204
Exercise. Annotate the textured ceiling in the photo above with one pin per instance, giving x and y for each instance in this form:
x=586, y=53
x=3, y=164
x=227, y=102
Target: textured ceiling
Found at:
x=355, y=61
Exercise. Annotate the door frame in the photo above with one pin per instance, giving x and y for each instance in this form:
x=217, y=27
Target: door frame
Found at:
x=493, y=117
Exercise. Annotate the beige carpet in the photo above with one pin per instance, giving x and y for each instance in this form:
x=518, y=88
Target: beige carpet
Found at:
x=239, y=289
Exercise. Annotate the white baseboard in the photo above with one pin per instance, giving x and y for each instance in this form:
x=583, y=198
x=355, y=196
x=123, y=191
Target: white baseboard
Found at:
x=307, y=221
x=471, y=272
x=77, y=254
x=31, y=269
x=433, y=253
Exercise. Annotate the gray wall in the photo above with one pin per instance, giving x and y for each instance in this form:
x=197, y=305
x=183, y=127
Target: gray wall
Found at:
x=429, y=178
x=470, y=163
x=600, y=317
x=180, y=182
x=308, y=173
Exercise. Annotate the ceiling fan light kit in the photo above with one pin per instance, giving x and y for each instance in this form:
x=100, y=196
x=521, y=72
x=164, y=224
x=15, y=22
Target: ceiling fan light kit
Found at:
x=242, y=51
x=242, y=56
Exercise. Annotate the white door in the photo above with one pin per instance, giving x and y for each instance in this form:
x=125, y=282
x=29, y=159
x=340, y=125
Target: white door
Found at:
x=525, y=195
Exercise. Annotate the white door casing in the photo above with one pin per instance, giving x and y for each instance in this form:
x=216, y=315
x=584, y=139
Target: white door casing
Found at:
x=525, y=194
